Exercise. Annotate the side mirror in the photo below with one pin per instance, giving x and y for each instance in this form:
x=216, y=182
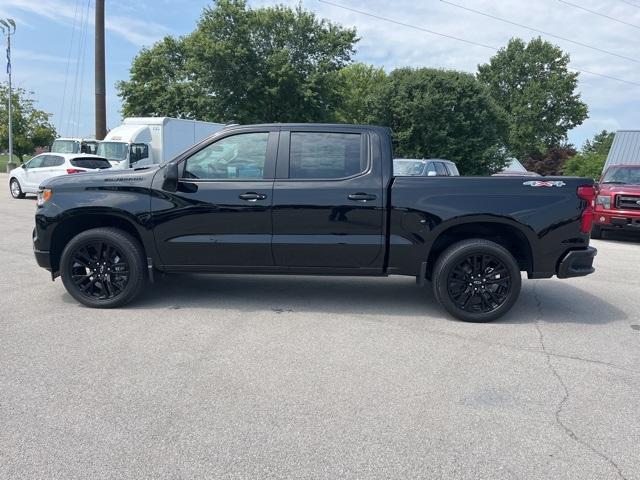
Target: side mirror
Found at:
x=170, y=183
x=23, y=166
x=431, y=173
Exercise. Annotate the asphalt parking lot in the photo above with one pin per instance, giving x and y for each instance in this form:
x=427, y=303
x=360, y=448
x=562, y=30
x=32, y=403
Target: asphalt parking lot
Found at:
x=312, y=377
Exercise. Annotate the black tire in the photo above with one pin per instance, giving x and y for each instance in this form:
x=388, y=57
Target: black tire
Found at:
x=476, y=280
x=15, y=188
x=596, y=232
x=103, y=268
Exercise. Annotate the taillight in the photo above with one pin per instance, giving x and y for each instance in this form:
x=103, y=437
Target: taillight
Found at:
x=588, y=194
x=74, y=170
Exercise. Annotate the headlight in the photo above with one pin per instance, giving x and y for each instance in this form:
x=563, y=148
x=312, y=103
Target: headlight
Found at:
x=44, y=196
x=604, y=200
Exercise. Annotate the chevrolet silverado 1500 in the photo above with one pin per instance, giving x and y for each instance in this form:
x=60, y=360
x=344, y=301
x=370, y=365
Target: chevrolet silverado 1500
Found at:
x=311, y=199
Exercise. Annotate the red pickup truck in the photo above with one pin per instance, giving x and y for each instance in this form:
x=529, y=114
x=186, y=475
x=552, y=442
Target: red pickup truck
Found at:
x=617, y=205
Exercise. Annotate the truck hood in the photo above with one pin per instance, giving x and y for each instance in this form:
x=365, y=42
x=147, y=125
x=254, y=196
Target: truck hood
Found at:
x=140, y=177
x=615, y=189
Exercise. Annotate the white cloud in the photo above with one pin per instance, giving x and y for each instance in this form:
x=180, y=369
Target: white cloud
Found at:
x=137, y=32
x=612, y=104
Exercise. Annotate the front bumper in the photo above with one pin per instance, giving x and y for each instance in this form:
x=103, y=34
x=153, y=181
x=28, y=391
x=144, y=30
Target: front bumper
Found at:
x=577, y=263
x=624, y=220
x=43, y=259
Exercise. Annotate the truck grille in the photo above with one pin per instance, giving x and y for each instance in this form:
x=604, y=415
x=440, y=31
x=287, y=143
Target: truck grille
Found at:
x=628, y=202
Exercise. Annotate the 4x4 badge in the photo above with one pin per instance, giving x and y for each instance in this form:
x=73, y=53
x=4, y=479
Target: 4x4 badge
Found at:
x=545, y=183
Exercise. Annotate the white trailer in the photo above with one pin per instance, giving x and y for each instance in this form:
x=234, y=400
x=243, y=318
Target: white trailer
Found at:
x=142, y=141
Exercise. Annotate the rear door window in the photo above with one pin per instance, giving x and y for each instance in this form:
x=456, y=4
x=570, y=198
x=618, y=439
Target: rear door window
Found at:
x=90, y=162
x=52, y=161
x=326, y=155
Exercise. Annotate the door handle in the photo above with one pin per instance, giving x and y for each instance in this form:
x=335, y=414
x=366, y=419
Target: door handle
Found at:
x=361, y=197
x=252, y=196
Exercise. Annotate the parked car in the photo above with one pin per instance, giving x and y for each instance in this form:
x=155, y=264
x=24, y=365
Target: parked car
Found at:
x=141, y=141
x=617, y=205
x=311, y=199
x=31, y=174
x=74, y=145
x=432, y=167
x=515, y=169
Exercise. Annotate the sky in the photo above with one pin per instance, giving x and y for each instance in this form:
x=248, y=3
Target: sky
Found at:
x=52, y=50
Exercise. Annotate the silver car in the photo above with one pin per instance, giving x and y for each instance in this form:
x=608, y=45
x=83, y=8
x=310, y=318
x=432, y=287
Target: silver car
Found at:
x=430, y=167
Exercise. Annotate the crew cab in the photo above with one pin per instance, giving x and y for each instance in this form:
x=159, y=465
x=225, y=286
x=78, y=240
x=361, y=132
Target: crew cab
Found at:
x=312, y=199
x=617, y=205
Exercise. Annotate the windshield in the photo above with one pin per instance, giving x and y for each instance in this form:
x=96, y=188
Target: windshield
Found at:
x=113, y=150
x=408, y=167
x=626, y=175
x=65, y=146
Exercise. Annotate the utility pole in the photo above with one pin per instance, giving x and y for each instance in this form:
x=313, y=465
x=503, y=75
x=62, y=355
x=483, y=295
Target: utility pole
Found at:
x=101, y=107
x=8, y=27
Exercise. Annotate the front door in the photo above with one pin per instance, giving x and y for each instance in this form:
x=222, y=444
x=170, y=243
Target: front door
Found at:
x=327, y=201
x=221, y=213
x=33, y=171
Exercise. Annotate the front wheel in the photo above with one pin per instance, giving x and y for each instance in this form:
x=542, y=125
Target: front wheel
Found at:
x=476, y=280
x=103, y=268
x=15, y=189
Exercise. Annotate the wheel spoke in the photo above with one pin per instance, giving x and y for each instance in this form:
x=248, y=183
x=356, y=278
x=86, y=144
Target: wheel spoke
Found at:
x=99, y=271
x=479, y=283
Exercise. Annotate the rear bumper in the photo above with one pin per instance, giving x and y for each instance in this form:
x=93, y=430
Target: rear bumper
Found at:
x=577, y=263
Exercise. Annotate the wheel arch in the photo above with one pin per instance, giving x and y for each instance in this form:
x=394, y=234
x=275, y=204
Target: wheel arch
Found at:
x=75, y=224
x=509, y=234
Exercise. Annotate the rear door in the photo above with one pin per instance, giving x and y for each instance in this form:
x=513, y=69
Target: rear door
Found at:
x=327, y=200
x=52, y=166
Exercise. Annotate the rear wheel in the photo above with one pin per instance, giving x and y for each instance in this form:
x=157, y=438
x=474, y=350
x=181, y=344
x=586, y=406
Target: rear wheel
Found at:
x=103, y=268
x=16, y=190
x=476, y=280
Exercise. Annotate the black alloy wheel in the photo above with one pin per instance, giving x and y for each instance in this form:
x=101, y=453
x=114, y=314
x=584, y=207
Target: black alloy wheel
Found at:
x=99, y=270
x=103, y=267
x=479, y=283
x=476, y=280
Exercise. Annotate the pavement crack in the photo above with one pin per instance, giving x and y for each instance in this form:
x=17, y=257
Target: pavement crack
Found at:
x=566, y=394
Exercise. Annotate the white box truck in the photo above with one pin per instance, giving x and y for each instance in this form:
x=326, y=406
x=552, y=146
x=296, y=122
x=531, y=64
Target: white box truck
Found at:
x=142, y=141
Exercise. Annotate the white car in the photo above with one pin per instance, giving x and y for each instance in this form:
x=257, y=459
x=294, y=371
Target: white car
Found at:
x=28, y=177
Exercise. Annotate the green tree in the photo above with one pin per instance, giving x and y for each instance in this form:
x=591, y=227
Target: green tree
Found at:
x=589, y=162
x=445, y=114
x=31, y=127
x=272, y=64
x=361, y=86
x=532, y=83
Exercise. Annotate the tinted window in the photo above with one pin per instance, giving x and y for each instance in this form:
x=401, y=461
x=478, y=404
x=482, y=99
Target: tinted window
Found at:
x=89, y=162
x=239, y=156
x=139, y=151
x=36, y=162
x=52, y=161
x=440, y=169
x=325, y=155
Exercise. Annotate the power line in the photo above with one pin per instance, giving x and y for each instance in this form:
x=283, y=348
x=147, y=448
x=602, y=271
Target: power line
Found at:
x=66, y=75
x=629, y=3
x=422, y=29
x=601, y=14
x=470, y=42
x=541, y=31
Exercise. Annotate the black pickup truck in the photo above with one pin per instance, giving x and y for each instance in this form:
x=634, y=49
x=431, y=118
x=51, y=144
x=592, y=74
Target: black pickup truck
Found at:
x=311, y=199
